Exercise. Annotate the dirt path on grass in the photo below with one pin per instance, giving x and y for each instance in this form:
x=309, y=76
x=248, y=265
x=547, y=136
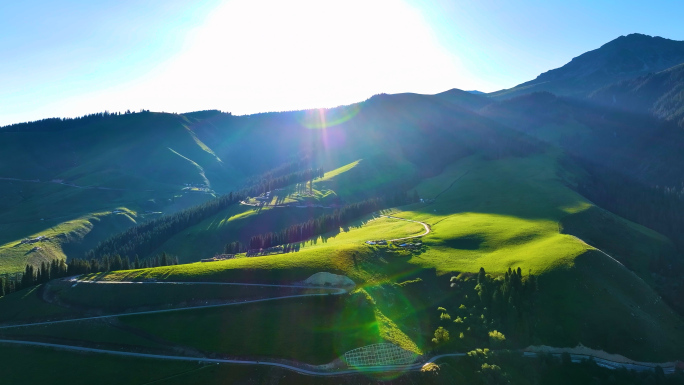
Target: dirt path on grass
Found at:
x=299, y=369
x=313, y=371
x=65, y=184
x=291, y=205
x=331, y=291
x=602, y=358
x=425, y=225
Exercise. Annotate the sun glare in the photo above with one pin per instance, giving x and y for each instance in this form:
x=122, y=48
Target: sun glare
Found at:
x=257, y=56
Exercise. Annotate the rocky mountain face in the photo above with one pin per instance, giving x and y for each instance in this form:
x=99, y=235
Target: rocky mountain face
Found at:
x=626, y=57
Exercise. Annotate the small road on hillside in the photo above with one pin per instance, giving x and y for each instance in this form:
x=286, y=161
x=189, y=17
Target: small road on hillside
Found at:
x=332, y=291
x=640, y=367
x=291, y=205
x=64, y=184
x=425, y=225
x=311, y=372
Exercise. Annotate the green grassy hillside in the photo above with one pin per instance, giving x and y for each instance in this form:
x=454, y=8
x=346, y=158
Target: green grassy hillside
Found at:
x=74, y=235
x=496, y=214
x=64, y=180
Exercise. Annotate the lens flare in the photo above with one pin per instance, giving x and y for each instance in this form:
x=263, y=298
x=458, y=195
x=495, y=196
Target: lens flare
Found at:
x=328, y=117
x=369, y=326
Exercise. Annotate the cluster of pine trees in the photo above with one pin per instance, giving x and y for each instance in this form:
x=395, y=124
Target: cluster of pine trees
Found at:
x=494, y=309
x=33, y=276
x=116, y=262
x=58, y=124
x=145, y=238
x=509, y=299
x=234, y=248
x=9, y=285
x=43, y=273
x=302, y=163
x=327, y=222
x=59, y=269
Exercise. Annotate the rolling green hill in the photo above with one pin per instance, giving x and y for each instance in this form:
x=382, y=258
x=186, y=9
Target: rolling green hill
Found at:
x=497, y=214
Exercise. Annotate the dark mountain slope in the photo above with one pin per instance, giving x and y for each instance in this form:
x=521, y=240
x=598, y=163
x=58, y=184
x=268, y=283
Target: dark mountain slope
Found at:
x=637, y=145
x=623, y=58
x=401, y=127
x=660, y=94
x=134, y=151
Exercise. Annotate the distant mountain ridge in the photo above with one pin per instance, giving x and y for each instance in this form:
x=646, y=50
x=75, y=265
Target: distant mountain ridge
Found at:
x=626, y=57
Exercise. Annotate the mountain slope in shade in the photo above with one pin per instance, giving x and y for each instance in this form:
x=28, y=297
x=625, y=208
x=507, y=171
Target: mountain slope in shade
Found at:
x=623, y=58
x=661, y=94
x=637, y=145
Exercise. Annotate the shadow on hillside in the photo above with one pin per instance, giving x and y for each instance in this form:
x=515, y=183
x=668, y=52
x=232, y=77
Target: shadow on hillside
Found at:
x=280, y=199
x=323, y=238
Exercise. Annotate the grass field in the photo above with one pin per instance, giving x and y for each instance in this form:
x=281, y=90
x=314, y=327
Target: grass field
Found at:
x=494, y=214
x=315, y=330
x=343, y=253
x=515, y=226
x=601, y=304
x=60, y=367
x=363, y=177
x=633, y=245
x=76, y=235
x=27, y=305
x=103, y=334
x=120, y=298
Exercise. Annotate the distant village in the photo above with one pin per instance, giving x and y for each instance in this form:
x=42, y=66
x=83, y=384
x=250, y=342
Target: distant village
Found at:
x=197, y=187
x=265, y=199
x=384, y=243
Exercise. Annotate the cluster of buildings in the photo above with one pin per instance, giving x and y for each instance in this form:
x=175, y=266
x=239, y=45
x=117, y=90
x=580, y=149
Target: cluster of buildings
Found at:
x=267, y=251
x=380, y=242
x=383, y=242
x=265, y=197
x=411, y=245
x=219, y=257
x=196, y=187
x=34, y=240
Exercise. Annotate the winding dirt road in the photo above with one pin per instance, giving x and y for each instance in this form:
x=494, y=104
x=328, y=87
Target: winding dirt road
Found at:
x=425, y=225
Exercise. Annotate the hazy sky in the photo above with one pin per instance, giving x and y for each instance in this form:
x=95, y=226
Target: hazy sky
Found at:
x=247, y=56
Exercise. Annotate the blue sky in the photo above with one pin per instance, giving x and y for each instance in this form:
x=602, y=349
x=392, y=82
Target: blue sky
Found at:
x=77, y=57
